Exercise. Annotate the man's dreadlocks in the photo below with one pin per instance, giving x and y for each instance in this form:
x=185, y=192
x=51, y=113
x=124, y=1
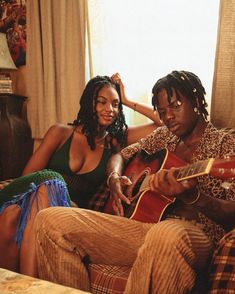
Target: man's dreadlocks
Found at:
x=185, y=83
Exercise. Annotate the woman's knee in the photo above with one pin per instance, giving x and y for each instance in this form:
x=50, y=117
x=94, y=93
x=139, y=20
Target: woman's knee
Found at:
x=47, y=174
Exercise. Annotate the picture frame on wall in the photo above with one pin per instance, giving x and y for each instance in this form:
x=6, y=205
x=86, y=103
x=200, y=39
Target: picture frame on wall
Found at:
x=13, y=24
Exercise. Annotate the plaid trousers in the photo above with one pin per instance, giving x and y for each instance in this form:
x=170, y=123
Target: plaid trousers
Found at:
x=222, y=270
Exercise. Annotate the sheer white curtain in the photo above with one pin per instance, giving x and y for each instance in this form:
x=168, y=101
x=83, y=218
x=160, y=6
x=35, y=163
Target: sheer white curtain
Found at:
x=144, y=40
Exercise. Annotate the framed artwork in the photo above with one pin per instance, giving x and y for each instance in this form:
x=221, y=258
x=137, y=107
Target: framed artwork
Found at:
x=13, y=24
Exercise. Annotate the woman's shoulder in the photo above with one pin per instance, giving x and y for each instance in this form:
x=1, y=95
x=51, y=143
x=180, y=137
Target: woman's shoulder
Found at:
x=58, y=132
x=60, y=129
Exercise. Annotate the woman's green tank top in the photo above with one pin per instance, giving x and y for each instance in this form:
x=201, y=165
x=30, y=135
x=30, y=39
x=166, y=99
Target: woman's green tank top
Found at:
x=81, y=186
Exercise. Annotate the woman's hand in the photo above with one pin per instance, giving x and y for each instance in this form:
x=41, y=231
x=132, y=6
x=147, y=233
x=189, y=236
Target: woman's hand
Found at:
x=116, y=78
x=142, y=108
x=116, y=184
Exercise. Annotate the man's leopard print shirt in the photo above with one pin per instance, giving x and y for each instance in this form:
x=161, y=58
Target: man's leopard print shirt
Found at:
x=214, y=143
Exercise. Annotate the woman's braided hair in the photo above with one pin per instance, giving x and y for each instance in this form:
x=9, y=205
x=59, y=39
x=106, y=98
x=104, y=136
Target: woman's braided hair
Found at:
x=87, y=116
x=186, y=83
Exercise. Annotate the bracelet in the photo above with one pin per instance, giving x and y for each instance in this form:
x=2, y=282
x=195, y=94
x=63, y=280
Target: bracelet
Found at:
x=195, y=200
x=110, y=175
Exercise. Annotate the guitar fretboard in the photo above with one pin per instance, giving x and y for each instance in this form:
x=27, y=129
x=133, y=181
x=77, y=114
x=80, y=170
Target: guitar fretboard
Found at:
x=186, y=172
x=194, y=170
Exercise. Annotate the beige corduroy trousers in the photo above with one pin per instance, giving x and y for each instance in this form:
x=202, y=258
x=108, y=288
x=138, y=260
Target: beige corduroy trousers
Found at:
x=163, y=256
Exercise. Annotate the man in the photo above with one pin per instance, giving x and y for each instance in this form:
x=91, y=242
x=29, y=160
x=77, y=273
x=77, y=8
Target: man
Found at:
x=164, y=256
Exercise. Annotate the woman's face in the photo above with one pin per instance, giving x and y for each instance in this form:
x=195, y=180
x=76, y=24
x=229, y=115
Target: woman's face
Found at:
x=178, y=116
x=107, y=106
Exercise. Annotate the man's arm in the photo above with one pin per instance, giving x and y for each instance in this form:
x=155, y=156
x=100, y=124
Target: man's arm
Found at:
x=221, y=211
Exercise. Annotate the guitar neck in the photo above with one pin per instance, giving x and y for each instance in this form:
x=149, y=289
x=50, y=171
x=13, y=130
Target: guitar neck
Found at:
x=196, y=169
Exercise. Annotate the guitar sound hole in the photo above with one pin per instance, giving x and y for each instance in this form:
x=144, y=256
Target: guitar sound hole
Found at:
x=137, y=185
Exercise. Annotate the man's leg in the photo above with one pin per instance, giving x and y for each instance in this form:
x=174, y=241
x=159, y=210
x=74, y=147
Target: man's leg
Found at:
x=68, y=238
x=168, y=257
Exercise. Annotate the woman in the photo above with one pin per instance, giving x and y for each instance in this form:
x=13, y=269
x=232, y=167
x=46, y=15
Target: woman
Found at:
x=79, y=152
x=164, y=256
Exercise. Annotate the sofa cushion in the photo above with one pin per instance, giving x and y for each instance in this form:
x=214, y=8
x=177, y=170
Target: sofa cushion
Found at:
x=11, y=282
x=108, y=279
x=222, y=270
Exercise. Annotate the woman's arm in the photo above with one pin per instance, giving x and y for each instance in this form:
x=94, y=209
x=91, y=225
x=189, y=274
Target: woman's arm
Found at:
x=135, y=133
x=51, y=142
x=142, y=108
x=116, y=182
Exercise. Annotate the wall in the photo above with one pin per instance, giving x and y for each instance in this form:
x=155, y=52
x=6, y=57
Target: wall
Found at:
x=19, y=81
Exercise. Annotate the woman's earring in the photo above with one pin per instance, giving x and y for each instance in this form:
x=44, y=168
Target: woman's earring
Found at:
x=195, y=109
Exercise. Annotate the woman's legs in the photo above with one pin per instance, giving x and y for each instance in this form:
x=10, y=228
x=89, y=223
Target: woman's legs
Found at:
x=9, y=251
x=28, y=266
x=16, y=220
x=67, y=239
x=16, y=257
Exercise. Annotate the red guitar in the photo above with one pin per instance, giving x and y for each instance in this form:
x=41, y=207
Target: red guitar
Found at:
x=148, y=206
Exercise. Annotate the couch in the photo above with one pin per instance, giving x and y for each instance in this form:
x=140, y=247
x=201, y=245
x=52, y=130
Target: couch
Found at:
x=108, y=279
x=11, y=282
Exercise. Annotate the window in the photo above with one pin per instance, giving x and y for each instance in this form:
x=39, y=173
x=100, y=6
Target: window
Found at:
x=144, y=40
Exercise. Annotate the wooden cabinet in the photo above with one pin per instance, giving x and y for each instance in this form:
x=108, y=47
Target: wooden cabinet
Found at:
x=16, y=143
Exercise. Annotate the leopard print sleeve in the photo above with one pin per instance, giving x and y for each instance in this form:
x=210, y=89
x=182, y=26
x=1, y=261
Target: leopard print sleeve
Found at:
x=216, y=144
x=228, y=148
x=155, y=141
x=228, y=145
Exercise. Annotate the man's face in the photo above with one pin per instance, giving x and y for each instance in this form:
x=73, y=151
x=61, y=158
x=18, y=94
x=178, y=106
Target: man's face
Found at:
x=178, y=116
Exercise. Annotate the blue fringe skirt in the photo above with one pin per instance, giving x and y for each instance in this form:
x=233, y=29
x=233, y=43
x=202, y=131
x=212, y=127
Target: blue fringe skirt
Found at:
x=28, y=186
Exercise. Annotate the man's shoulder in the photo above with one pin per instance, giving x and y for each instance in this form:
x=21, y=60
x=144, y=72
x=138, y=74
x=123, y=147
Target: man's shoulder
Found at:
x=160, y=131
x=221, y=140
x=220, y=130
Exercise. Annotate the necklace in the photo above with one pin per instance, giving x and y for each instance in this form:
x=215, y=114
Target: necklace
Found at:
x=97, y=140
x=100, y=141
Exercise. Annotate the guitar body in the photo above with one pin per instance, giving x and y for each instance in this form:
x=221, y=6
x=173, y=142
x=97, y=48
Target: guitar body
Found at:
x=146, y=206
x=149, y=206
